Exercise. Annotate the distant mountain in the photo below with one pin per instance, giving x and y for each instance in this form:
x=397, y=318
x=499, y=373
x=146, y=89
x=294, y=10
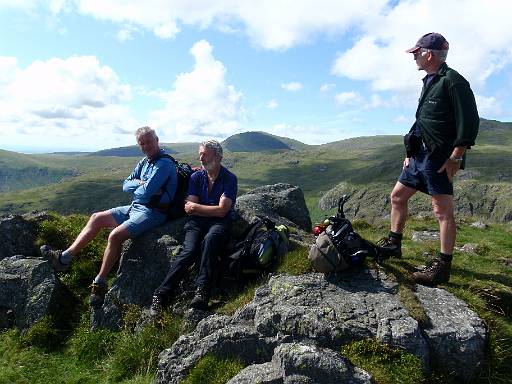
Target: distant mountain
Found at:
x=134, y=150
x=259, y=141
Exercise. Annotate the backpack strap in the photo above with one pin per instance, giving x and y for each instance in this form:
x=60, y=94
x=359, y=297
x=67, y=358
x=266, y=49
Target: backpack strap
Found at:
x=155, y=199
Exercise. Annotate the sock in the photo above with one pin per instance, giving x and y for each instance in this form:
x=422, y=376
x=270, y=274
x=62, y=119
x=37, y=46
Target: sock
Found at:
x=395, y=236
x=444, y=257
x=65, y=257
x=99, y=280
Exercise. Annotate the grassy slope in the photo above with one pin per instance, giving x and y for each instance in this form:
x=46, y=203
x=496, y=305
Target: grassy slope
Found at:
x=483, y=280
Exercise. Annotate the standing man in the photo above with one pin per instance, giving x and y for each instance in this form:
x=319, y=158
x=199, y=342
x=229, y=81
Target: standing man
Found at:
x=153, y=185
x=210, y=205
x=446, y=126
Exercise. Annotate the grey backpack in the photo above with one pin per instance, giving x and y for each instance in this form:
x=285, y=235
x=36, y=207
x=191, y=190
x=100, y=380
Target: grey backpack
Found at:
x=325, y=257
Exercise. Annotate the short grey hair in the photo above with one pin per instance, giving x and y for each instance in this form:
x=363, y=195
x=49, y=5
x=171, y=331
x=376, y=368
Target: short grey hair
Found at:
x=214, y=145
x=440, y=54
x=144, y=131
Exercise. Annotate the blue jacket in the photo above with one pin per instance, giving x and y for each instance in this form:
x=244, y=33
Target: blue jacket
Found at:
x=154, y=174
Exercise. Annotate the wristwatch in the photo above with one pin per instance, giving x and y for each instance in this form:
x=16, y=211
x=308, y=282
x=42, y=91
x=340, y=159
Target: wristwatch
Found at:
x=457, y=159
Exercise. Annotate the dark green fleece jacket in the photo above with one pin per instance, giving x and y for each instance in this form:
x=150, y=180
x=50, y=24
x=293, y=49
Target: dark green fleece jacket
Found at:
x=447, y=114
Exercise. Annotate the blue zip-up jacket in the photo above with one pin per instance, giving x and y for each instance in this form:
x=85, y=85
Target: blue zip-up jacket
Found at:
x=154, y=174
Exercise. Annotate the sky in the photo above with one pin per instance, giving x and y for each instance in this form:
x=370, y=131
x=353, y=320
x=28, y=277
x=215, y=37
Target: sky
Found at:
x=83, y=75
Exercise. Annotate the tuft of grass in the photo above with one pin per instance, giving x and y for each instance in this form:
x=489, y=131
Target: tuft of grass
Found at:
x=137, y=353
x=295, y=262
x=214, y=370
x=386, y=364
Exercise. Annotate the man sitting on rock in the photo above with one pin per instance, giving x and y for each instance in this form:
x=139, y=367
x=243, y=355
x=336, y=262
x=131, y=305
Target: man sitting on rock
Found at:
x=153, y=185
x=210, y=204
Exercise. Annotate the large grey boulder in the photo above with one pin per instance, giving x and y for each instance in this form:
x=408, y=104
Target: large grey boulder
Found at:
x=29, y=291
x=283, y=203
x=143, y=265
x=457, y=336
x=296, y=324
x=18, y=234
x=300, y=309
x=303, y=363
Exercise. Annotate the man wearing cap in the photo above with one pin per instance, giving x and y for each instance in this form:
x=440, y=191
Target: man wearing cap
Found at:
x=446, y=126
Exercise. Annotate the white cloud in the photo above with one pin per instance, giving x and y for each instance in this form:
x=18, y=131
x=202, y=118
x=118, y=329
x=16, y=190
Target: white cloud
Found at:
x=402, y=119
x=327, y=87
x=479, y=43
x=348, y=98
x=272, y=104
x=488, y=106
x=76, y=99
x=293, y=86
x=272, y=24
x=201, y=103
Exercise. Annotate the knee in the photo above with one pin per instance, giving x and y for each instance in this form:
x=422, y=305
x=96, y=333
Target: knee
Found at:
x=117, y=236
x=443, y=214
x=396, y=198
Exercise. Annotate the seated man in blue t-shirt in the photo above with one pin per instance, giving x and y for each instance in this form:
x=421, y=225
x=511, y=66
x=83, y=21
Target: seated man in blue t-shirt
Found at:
x=153, y=185
x=210, y=205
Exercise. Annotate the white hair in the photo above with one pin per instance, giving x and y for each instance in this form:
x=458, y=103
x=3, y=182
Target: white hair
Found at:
x=144, y=131
x=214, y=145
x=440, y=54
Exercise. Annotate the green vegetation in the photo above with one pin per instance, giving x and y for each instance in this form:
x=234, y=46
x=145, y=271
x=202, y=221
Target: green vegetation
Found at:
x=214, y=370
x=386, y=364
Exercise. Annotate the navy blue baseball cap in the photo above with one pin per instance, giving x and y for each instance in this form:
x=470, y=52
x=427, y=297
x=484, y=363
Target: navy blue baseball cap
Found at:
x=431, y=40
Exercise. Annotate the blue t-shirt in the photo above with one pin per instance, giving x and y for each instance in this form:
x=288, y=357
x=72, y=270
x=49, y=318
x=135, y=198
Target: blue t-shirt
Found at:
x=226, y=184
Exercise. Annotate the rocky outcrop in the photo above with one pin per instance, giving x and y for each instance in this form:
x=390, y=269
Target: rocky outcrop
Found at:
x=18, y=234
x=371, y=202
x=283, y=203
x=303, y=363
x=29, y=291
x=457, y=336
x=290, y=312
x=143, y=265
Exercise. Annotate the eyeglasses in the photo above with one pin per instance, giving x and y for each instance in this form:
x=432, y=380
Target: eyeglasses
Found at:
x=422, y=51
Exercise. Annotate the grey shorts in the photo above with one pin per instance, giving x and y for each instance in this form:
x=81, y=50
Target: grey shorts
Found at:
x=137, y=218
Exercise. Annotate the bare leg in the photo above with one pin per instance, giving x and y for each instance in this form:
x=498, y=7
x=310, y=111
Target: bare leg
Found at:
x=113, y=250
x=399, y=199
x=96, y=222
x=443, y=210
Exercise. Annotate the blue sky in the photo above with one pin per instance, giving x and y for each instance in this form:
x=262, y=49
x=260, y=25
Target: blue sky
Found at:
x=84, y=74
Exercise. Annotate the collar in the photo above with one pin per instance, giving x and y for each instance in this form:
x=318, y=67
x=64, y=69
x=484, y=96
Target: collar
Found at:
x=440, y=72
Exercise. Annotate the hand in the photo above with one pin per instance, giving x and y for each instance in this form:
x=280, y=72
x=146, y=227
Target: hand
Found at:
x=451, y=167
x=406, y=162
x=190, y=207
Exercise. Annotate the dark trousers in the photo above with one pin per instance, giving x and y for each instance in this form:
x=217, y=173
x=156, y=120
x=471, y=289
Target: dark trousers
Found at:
x=205, y=240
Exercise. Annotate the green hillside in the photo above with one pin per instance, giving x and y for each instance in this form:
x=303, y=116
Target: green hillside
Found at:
x=134, y=150
x=366, y=165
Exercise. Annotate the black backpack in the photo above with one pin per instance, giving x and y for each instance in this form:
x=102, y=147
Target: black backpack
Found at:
x=261, y=247
x=339, y=247
x=184, y=171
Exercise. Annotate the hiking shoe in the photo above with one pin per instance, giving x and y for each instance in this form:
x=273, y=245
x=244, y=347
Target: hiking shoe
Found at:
x=53, y=256
x=200, y=300
x=389, y=247
x=157, y=306
x=98, y=291
x=435, y=272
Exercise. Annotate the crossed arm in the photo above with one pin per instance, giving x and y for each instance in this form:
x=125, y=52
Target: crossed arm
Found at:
x=192, y=207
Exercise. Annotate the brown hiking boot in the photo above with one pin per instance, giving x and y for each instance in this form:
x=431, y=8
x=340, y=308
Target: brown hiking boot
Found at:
x=98, y=291
x=53, y=256
x=389, y=247
x=435, y=272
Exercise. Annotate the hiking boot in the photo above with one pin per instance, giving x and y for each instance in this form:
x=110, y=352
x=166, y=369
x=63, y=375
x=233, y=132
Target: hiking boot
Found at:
x=389, y=247
x=157, y=306
x=435, y=272
x=98, y=291
x=200, y=300
x=53, y=256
